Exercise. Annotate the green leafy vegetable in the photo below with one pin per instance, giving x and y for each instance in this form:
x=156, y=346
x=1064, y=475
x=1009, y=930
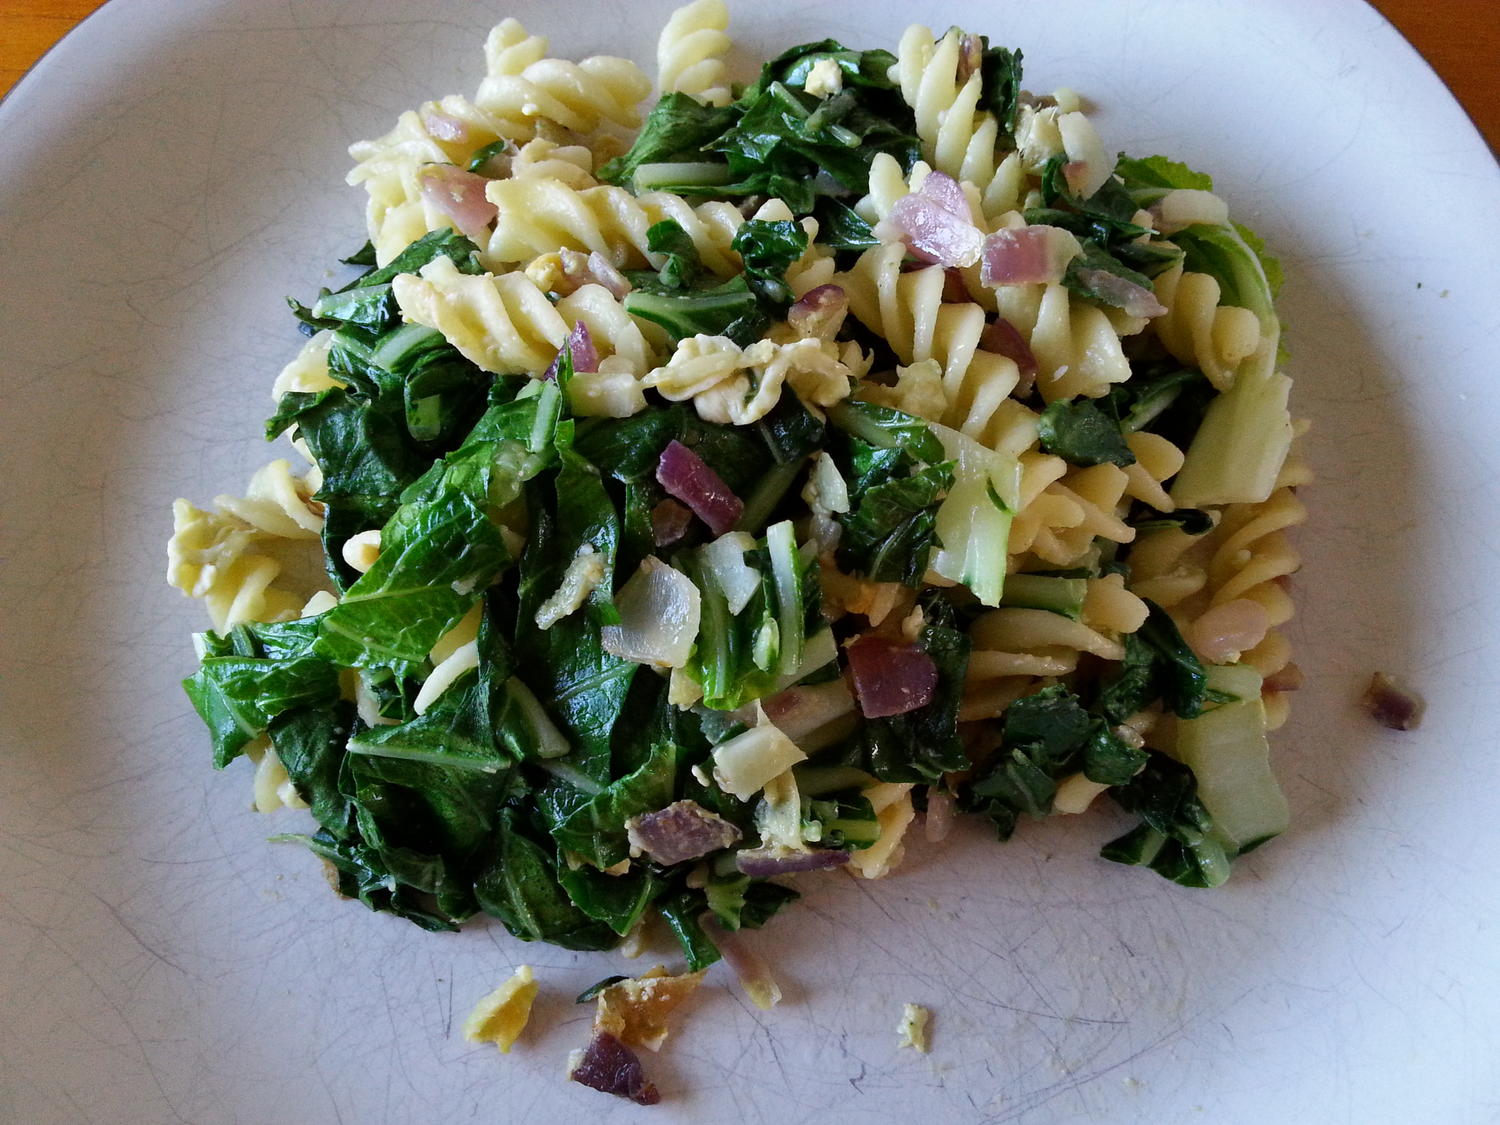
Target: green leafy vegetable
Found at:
x=1081, y=433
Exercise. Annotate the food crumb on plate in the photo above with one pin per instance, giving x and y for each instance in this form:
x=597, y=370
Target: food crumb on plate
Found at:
x=913, y=1028
x=501, y=1016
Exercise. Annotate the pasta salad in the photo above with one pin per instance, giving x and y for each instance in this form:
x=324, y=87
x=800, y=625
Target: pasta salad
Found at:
x=702, y=489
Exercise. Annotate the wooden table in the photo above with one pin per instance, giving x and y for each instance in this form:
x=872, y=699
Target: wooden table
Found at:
x=1460, y=38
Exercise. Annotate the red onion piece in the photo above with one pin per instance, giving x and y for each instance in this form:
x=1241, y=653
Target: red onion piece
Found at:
x=1003, y=338
x=1026, y=255
x=890, y=678
x=939, y=820
x=610, y=1066
x=1287, y=678
x=1076, y=173
x=460, y=196
x=763, y=862
x=947, y=193
x=581, y=344
x=1390, y=704
x=683, y=830
x=603, y=272
x=669, y=522
x=934, y=233
x=751, y=968
x=687, y=476
x=970, y=57
x=444, y=127
x=1134, y=300
x=954, y=290
x=819, y=312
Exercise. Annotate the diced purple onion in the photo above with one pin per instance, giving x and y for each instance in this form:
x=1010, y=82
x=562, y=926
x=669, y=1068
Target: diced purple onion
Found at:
x=970, y=57
x=669, y=522
x=1286, y=678
x=1390, y=704
x=1003, y=338
x=947, y=193
x=1025, y=256
x=603, y=272
x=763, y=862
x=819, y=312
x=890, y=678
x=687, y=476
x=581, y=344
x=934, y=233
x=1134, y=300
x=939, y=820
x=460, y=196
x=683, y=830
x=751, y=968
x=444, y=127
x=1077, y=174
x=955, y=292
x=610, y=1066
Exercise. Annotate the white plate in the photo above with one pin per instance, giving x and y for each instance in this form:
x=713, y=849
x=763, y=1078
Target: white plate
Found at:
x=174, y=168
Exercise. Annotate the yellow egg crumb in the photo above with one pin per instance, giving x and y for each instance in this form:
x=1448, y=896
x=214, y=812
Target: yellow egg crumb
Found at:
x=913, y=1027
x=635, y=1011
x=501, y=1016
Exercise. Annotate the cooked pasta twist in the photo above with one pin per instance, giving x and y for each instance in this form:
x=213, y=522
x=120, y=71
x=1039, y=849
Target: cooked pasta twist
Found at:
x=277, y=503
x=503, y=323
x=690, y=52
x=524, y=88
x=1064, y=510
x=957, y=138
x=541, y=215
x=542, y=159
x=308, y=370
x=727, y=383
x=1013, y=647
x=1198, y=330
x=506, y=324
x=229, y=558
x=449, y=131
x=1246, y=557
x=909, y=311
x=1076, y=345
x=615, y=333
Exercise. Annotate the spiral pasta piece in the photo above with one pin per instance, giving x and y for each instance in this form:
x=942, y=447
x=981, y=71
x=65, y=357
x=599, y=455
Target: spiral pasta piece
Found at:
x=1012, y=647
x=538, y=215
x=942, y=87
x=229, y=558
x=503, y=323
x=308, y=370
x=1157, y=460
x=1076, y=345
x=909, y=311
x=690, y=52
x=1246, y=557
x=1058, y=525
x=542, y=159
x=1198, y=330
x=615, y=333
x=727, y=383
x=276, y=503
x=523, y=88
x=449, y=131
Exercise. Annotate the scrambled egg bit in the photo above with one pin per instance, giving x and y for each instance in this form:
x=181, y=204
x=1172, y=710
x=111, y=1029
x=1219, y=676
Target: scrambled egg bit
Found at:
x=913, y=1027
x=501, y=1016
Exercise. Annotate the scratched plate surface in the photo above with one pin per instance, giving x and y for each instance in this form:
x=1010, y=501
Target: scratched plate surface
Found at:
x=175, y=167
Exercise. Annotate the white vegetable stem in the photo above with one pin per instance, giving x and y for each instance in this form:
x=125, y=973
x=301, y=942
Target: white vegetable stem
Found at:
x=659, y=614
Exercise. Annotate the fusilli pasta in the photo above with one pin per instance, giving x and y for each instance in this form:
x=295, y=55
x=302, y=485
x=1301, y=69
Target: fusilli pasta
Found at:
x=690, y=52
